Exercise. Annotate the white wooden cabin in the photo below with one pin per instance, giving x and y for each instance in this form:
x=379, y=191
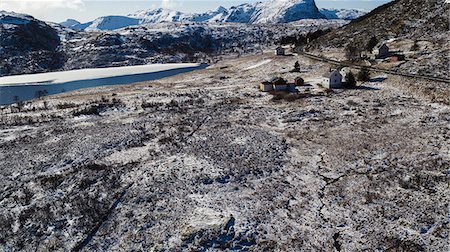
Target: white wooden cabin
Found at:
x=333, y=79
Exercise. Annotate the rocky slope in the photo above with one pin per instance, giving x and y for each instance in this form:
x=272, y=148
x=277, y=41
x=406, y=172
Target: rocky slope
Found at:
x=28, y=45
x=419, y=20
x=420, y=29
x=205, y=162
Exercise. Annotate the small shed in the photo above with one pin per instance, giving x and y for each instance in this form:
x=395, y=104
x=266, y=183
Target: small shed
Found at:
x=280, y=51
x=383, y=52
x=333, y=79
x=299, y=81
x=266, y=86
x=279, y=84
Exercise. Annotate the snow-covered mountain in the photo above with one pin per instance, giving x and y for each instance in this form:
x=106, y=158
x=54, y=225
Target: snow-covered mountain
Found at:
x=108, y=23
x=342, y=13
x=159, y=15
x=217, y=15
x=70, y=23
x=285, y=11
x=268, y=12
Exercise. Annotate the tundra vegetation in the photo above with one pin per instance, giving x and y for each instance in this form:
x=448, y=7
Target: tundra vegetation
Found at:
x=198, y=162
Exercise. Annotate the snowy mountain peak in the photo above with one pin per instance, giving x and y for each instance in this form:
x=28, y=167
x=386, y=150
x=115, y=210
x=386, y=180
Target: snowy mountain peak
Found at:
x=221, y=9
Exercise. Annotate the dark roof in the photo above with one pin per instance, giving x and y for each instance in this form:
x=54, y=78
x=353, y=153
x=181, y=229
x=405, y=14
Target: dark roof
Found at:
x=277, y=81
x=328, y=75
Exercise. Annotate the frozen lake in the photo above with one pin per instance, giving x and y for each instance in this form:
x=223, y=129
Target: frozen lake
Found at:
x=29, y=86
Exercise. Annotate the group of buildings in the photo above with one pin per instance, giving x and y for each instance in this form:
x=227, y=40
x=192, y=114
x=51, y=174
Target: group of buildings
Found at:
x=280, y=84
x=332, y=79
x=384, y=52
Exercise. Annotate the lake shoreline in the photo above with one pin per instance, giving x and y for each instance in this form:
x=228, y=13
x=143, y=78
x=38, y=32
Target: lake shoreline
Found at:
x=11, y=92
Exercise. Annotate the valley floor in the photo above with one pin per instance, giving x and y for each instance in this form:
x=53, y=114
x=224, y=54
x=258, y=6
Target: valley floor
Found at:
x=204, y=161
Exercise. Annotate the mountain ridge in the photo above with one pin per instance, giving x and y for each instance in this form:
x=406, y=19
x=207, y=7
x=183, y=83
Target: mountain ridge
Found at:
x=279, y=11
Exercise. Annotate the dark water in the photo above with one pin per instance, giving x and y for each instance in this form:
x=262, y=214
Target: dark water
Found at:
x=10, y=94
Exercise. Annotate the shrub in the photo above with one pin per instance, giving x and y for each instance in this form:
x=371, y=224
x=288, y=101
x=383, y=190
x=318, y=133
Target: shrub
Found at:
x=350, y=80
x=297, y=66
x=364, y=75
x=415, y=46
x=66, y=105
x=91, y=110
x=371, y=44
x=352, y=52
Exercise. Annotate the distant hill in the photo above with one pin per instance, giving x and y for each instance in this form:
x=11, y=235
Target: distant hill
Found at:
x=70, y=23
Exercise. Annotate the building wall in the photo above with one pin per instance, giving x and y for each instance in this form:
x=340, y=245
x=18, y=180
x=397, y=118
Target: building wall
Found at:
x=280, y=87
x=266, y=87
x=334, y=81
x=383, y=52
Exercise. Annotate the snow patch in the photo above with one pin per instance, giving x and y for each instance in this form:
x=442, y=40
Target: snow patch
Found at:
x=259, y=64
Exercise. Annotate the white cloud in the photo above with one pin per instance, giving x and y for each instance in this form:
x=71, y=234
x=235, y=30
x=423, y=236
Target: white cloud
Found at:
x=36, y=6
x=168, y=4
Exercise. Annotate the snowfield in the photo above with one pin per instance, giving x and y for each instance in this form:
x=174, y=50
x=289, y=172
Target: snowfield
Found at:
x=89, y=74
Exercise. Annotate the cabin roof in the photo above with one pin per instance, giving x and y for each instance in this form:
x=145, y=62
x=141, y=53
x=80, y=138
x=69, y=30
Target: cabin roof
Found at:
x=328, y=75
x=384, y=46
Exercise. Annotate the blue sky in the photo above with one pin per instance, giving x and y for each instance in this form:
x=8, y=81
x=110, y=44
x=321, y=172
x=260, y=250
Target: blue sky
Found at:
x=86, y=10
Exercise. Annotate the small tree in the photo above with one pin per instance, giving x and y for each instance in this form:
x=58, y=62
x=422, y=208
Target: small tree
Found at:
x=352, y=52
x=371, y=44
x=18, y=102
x=297, y=66
x=415, y=46
x=350, y=80
x=40, y=93
x=363, y=75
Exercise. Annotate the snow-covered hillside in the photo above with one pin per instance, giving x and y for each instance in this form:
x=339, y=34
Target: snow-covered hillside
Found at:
x=269, y=12
x=342, y=13
x=158, y=16
x=284, y=11
x=108, y=23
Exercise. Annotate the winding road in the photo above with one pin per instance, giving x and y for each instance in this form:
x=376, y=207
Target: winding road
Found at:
x=349, y=64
